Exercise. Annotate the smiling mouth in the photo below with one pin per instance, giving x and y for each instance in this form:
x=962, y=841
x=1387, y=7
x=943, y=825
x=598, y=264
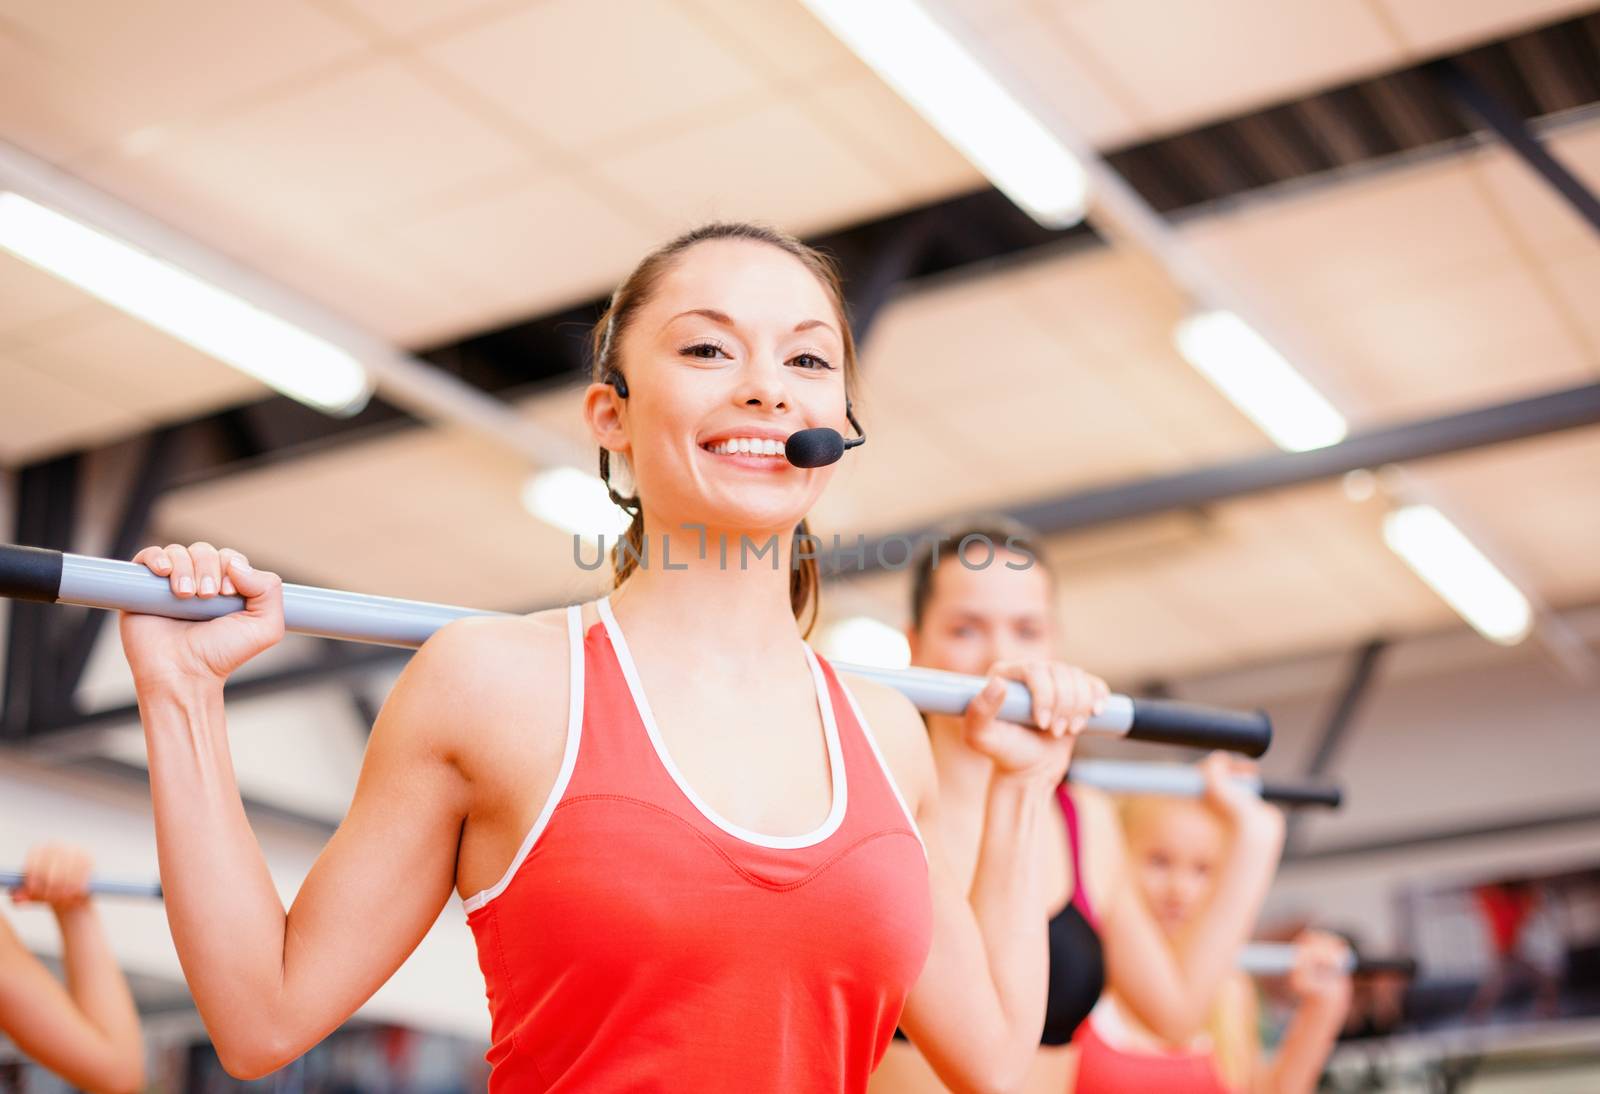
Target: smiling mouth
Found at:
x=763, y=447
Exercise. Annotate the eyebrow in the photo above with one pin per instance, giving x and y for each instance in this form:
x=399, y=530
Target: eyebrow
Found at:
x=727, y=321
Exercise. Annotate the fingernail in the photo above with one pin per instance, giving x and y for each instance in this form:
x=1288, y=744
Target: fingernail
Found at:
x=186, y=584
x=207, y=585
x=241, y=565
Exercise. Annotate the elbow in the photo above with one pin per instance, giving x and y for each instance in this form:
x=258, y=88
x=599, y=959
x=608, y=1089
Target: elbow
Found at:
x=998, y=1078
x=248, y=1058
x=1179, y=1025
x=1001, y=1082
x=122, y=1077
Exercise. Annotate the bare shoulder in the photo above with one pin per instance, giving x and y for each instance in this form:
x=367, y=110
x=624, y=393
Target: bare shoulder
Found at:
x=478, y=673
x=902, y=738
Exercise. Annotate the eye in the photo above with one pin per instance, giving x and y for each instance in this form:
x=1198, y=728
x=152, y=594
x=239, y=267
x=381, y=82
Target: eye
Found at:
x=706, y=351
x=810, y=361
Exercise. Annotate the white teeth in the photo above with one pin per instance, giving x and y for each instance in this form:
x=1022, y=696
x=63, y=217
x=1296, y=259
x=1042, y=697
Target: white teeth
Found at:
x=748, y=446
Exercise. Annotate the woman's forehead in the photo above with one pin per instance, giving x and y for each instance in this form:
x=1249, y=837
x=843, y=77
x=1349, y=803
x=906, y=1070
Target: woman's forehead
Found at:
x=752, y=283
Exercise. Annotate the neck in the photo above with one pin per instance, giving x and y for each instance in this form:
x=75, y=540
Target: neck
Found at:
x=713, y=589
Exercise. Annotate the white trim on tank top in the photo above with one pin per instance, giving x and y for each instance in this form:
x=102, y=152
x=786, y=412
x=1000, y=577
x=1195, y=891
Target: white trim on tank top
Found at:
x=888, y=776
x=569, y=760
x=830, y=732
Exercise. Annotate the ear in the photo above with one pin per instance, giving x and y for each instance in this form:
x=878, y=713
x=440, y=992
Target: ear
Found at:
x=606, y=413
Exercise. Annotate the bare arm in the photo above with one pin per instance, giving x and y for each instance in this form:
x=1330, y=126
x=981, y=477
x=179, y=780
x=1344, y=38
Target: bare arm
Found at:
x=88, y=1030
x=1172, y=989
x=977, y=1010
x=269, y=983
x=1323, y=989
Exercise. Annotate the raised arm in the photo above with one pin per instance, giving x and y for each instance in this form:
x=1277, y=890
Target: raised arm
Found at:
x=270, y=983
x=88, y=1030
x=1321, y=988
x=1172, y=988
x=977, y=1011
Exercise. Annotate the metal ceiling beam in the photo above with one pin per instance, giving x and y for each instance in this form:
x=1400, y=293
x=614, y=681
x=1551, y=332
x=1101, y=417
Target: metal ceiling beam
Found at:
x=1428, y=837
x=1569, y=408
x=1478, y=101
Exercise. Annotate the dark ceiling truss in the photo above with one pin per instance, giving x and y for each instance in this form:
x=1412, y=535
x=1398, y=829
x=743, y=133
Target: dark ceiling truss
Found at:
x=1476, y=98
x=1552, y=412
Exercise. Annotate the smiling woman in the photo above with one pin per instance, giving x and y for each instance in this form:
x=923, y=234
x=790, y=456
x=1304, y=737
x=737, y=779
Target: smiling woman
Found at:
x=712, y=865
x=821, y=345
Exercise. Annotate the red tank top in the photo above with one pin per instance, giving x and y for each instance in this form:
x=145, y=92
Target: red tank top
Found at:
x=640, y=942
x=1103, y=1068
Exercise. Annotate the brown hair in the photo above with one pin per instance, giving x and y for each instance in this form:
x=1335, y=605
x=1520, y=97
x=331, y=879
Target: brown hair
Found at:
x=605, y=354
x=1001, y=532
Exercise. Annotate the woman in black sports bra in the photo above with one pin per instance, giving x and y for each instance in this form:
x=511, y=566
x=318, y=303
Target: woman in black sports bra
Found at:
x=994, y=601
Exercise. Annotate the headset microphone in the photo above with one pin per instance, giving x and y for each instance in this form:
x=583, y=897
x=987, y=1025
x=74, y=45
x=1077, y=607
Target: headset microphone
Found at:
x=821, y=446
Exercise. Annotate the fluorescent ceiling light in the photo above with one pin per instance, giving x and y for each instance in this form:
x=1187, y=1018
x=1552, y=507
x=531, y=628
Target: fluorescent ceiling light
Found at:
x=959, y=97
x=862, y=640
x=1460, y=573
x=574, y=500
x=1256, y=379
x=214, y=322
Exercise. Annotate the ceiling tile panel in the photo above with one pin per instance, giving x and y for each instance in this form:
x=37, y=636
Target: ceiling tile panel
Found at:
x=885, y=132
x=1477, y=338
x=113, y=72
x=581, y=80
x=30, y=297
x=1431, y=27
x=1185, y=63
x=364, y=146
x=42, y=415
x=774, y=164
x=531, y=247
x=779, y=37
x=141, y=370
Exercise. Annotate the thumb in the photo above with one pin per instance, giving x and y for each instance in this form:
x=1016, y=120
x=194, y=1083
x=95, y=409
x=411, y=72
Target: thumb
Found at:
x=986, y=704
x=250, y=582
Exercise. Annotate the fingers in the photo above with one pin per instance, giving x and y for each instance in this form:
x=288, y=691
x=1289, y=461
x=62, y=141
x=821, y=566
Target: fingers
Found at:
x=196, y=570
x=181, y=573
x=256, y=586
x=156, y=559
x=986, y=704
x=1079, y=696
x=55, y=874
x=1041, y=683
x=226, y=558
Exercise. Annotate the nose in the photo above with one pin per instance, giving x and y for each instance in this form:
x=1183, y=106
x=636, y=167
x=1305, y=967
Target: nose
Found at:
x=761, y=384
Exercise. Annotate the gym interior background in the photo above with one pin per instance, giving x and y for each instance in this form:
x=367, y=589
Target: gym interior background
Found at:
x=1399, y=195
